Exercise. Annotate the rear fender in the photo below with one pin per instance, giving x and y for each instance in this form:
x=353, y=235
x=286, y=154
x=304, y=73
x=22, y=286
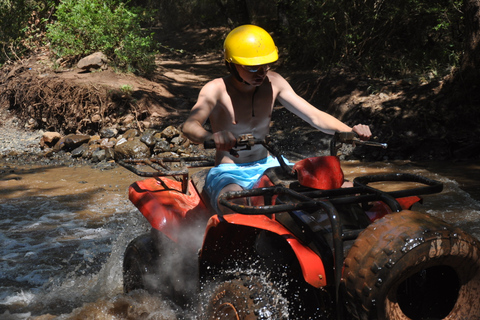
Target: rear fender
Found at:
x=232, y=235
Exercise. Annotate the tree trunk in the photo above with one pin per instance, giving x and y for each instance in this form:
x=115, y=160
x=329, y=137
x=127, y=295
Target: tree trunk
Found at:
x=470, y=66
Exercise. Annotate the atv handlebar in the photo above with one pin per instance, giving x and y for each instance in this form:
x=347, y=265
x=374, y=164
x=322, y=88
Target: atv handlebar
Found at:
x=247, y=141
x=244, y=142
x=352, y=138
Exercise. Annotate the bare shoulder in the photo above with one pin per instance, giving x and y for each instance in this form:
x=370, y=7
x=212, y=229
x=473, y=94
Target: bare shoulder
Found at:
x=279, y=84
x=215, y=85
x=277, y=79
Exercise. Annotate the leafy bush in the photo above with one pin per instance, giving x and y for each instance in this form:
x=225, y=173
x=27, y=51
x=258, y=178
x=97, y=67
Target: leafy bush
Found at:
x=87, y=26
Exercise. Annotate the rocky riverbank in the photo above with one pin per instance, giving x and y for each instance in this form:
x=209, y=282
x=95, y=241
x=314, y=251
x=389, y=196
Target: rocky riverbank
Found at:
x=110, y=145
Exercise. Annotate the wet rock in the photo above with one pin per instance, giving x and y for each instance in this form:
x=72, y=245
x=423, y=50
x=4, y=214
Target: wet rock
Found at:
x=168, y=155
x=161, y=145
x=109, y=154
x=148, y=137
x=158, y=136
x=90, y=150
x=80, y=151
x=96, y=60
x=108, y=132
x=181, y=141
x=94, y=139
x=134, y=149
x=49, y=139
x=99, y=155
x=107, y=143
x=130, y=134
x=170, y=132
x=71, y=142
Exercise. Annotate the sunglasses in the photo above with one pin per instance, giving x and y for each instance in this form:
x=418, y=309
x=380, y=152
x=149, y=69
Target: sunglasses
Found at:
x=254, y=69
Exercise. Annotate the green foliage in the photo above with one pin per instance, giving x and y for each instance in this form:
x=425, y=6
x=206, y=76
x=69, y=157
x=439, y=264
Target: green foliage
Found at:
x=375, y=36
x=87, y=26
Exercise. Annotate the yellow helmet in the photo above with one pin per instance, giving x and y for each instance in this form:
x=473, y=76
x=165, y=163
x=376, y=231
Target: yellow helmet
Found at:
x=249, y=45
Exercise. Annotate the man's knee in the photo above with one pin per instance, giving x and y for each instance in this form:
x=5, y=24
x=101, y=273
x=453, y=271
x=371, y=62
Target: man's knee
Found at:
x=230, y=188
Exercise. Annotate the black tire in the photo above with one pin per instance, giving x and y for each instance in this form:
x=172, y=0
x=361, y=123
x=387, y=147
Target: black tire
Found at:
x=138, y=264
x=245, y=298
x=410, y=265
x=154, y=263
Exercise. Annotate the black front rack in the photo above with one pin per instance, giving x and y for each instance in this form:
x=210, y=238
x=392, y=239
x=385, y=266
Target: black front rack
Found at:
x=175, y=167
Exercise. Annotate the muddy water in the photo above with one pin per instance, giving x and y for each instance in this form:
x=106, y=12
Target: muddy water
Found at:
x=64, y=231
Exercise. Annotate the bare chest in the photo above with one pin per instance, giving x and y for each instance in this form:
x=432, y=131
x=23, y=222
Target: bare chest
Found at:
x=244, y=113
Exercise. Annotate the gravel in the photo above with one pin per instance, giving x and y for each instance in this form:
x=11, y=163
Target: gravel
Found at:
x=21, y=146
x=14, y=141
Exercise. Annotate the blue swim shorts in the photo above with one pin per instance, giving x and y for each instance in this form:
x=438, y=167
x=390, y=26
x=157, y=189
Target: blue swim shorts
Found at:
x=243, y=174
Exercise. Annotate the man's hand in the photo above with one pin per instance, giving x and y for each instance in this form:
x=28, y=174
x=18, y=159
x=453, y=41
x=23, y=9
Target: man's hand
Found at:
x=363, y=131
x=224, y=140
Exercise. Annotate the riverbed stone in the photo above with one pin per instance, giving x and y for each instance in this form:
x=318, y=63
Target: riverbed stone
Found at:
x=107, y=143
x=99, y=155
x=148, y=137
x=180, y=140
x=170, y=132
x=109, y=154
x=130, y=134
x=162, y=145
x=49, y=139
x=108, y=132
x=71, y=141
x=131, y=149
x=79, y=151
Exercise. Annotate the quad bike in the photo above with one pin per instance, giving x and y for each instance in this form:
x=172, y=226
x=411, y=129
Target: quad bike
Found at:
x=298, y=245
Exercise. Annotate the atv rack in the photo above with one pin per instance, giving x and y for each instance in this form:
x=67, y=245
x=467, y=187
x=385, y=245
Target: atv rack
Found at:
x=161, y=167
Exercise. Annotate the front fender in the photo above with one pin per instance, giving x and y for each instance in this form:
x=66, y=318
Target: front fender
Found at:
x=221, y=238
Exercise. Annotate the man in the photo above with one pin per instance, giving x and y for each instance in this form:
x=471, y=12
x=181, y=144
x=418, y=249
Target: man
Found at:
x=242, y=103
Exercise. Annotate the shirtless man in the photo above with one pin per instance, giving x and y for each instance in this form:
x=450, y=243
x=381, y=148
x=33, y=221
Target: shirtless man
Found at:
x=242, y=103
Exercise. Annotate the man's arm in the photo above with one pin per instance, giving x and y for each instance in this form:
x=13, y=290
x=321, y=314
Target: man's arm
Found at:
x=316, y=118
x=193, y=127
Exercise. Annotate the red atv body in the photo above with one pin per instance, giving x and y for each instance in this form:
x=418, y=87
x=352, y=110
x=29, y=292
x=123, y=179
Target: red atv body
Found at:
x=303, y=247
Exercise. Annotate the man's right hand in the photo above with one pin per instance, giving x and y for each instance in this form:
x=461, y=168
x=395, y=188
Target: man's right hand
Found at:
x=224, y=140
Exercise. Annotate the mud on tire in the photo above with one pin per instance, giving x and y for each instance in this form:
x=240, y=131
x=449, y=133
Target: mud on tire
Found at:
x=410, y=265
x=247, y=297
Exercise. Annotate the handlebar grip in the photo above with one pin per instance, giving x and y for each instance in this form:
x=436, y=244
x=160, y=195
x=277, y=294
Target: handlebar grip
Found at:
x=346, y=137
x=209, y=144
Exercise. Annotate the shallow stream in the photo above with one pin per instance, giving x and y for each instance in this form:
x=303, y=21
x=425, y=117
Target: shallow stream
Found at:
x=64, y=231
